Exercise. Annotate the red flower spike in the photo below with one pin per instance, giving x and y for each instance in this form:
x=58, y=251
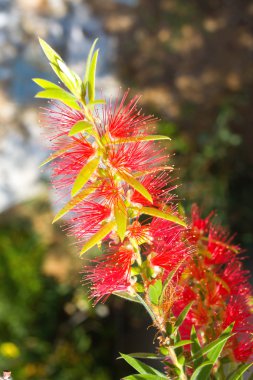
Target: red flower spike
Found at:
x=123, y=119
x=110, y=274
x=243, y=351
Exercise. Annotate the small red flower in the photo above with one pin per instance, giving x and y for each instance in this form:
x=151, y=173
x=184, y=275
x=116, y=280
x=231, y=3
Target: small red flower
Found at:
x=111, y=273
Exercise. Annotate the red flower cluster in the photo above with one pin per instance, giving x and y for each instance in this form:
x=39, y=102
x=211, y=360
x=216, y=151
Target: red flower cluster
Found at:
x=128, y=181
x=215, y=281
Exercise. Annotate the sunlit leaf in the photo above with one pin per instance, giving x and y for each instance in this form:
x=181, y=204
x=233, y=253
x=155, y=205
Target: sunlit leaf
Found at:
x=136, y=185
x=81, y=126
x=127, y=296
x=92, y=77
x=98, y=236
x=75, y=200
x=237, y=374
x=195, y=347
x=200, y=372
x=139, y=138
x=152, y=170
x=88, y=62
x=120, y=213
x=146, y=355
x=155, y=291
x=140, y=367
x=180, y=319
x=57, y=154
x=59, y=94
x=163, y=215
x=46, y=84
x=84, y=175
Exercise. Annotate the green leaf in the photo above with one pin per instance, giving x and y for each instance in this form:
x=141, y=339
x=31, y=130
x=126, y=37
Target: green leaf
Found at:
x=88, y=63
x=215, y=352
x=155, y=291
x=163, y=215
x=200, y=372
x=59, y=94
x=136, y=185
x=141, y=367
x=81, y=126
x=145, y=355
x=95, y=102
x=67, y=76
x=144, y=377
x=211, y=347
x=127, y=296
x=120, y=213
x=152, y=170
x=84, y=175
x=180, y=319
x=139, y=138
x=57, y=154
x=98, y=236
x=75, y=200
x=182, y=343
x=46, y=84
x=92, y=77
x=237, y=374
x=195, y=347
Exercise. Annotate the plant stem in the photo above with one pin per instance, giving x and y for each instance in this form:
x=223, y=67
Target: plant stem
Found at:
x=174, y=360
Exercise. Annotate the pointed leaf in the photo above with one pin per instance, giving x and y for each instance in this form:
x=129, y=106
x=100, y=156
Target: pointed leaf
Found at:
x=140, y=367
x=215, y=352
x=145, y=355
x=95, y=102
x=120, y=213
x=155, y=291
x=92, y=77
x=49, y=52
x=98, y=236
x=136, y=185
x=75, y=200
x=127, y=296
x=195, y=347
x=81, y=126
x=152, y=170
x=211, y=347
x=182, y=343
x=202, y=370
x=163, y=215
x=139, y=138
x=59, y=94
x=237, y=374
x=180, y=319
x=144, y=377
x=84, y=175
x=46, y=84
x=57, y=154
x=88, y=63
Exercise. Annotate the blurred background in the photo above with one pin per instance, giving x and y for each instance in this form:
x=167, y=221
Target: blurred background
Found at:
x=192, y=61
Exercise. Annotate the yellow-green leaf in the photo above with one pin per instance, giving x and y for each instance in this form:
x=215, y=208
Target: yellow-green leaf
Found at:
x=92, y=77
x=120, y=213
x=163, y=215
x=136, y=185
x=152, y=170
x=84, y=175
x=57, y=154
x=98, y=236
x=49, y=52
x=75, y=200
x=46, y=84
x=89, y=61
x=139, y=138
x=81, y=126
x=59, y=94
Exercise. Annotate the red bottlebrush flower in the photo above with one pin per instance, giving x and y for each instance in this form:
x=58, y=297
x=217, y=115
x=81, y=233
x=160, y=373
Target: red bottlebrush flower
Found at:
x=219, y=245
x=58, y=121
x=243, y=351
x=123, y=119
x=111, y=273
x=236, y=278
x=140, y=233
x=87, y=219
x=157, y=185
x=238, y=311
x=139, y=156
x=68, y=165
x=170, y=249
